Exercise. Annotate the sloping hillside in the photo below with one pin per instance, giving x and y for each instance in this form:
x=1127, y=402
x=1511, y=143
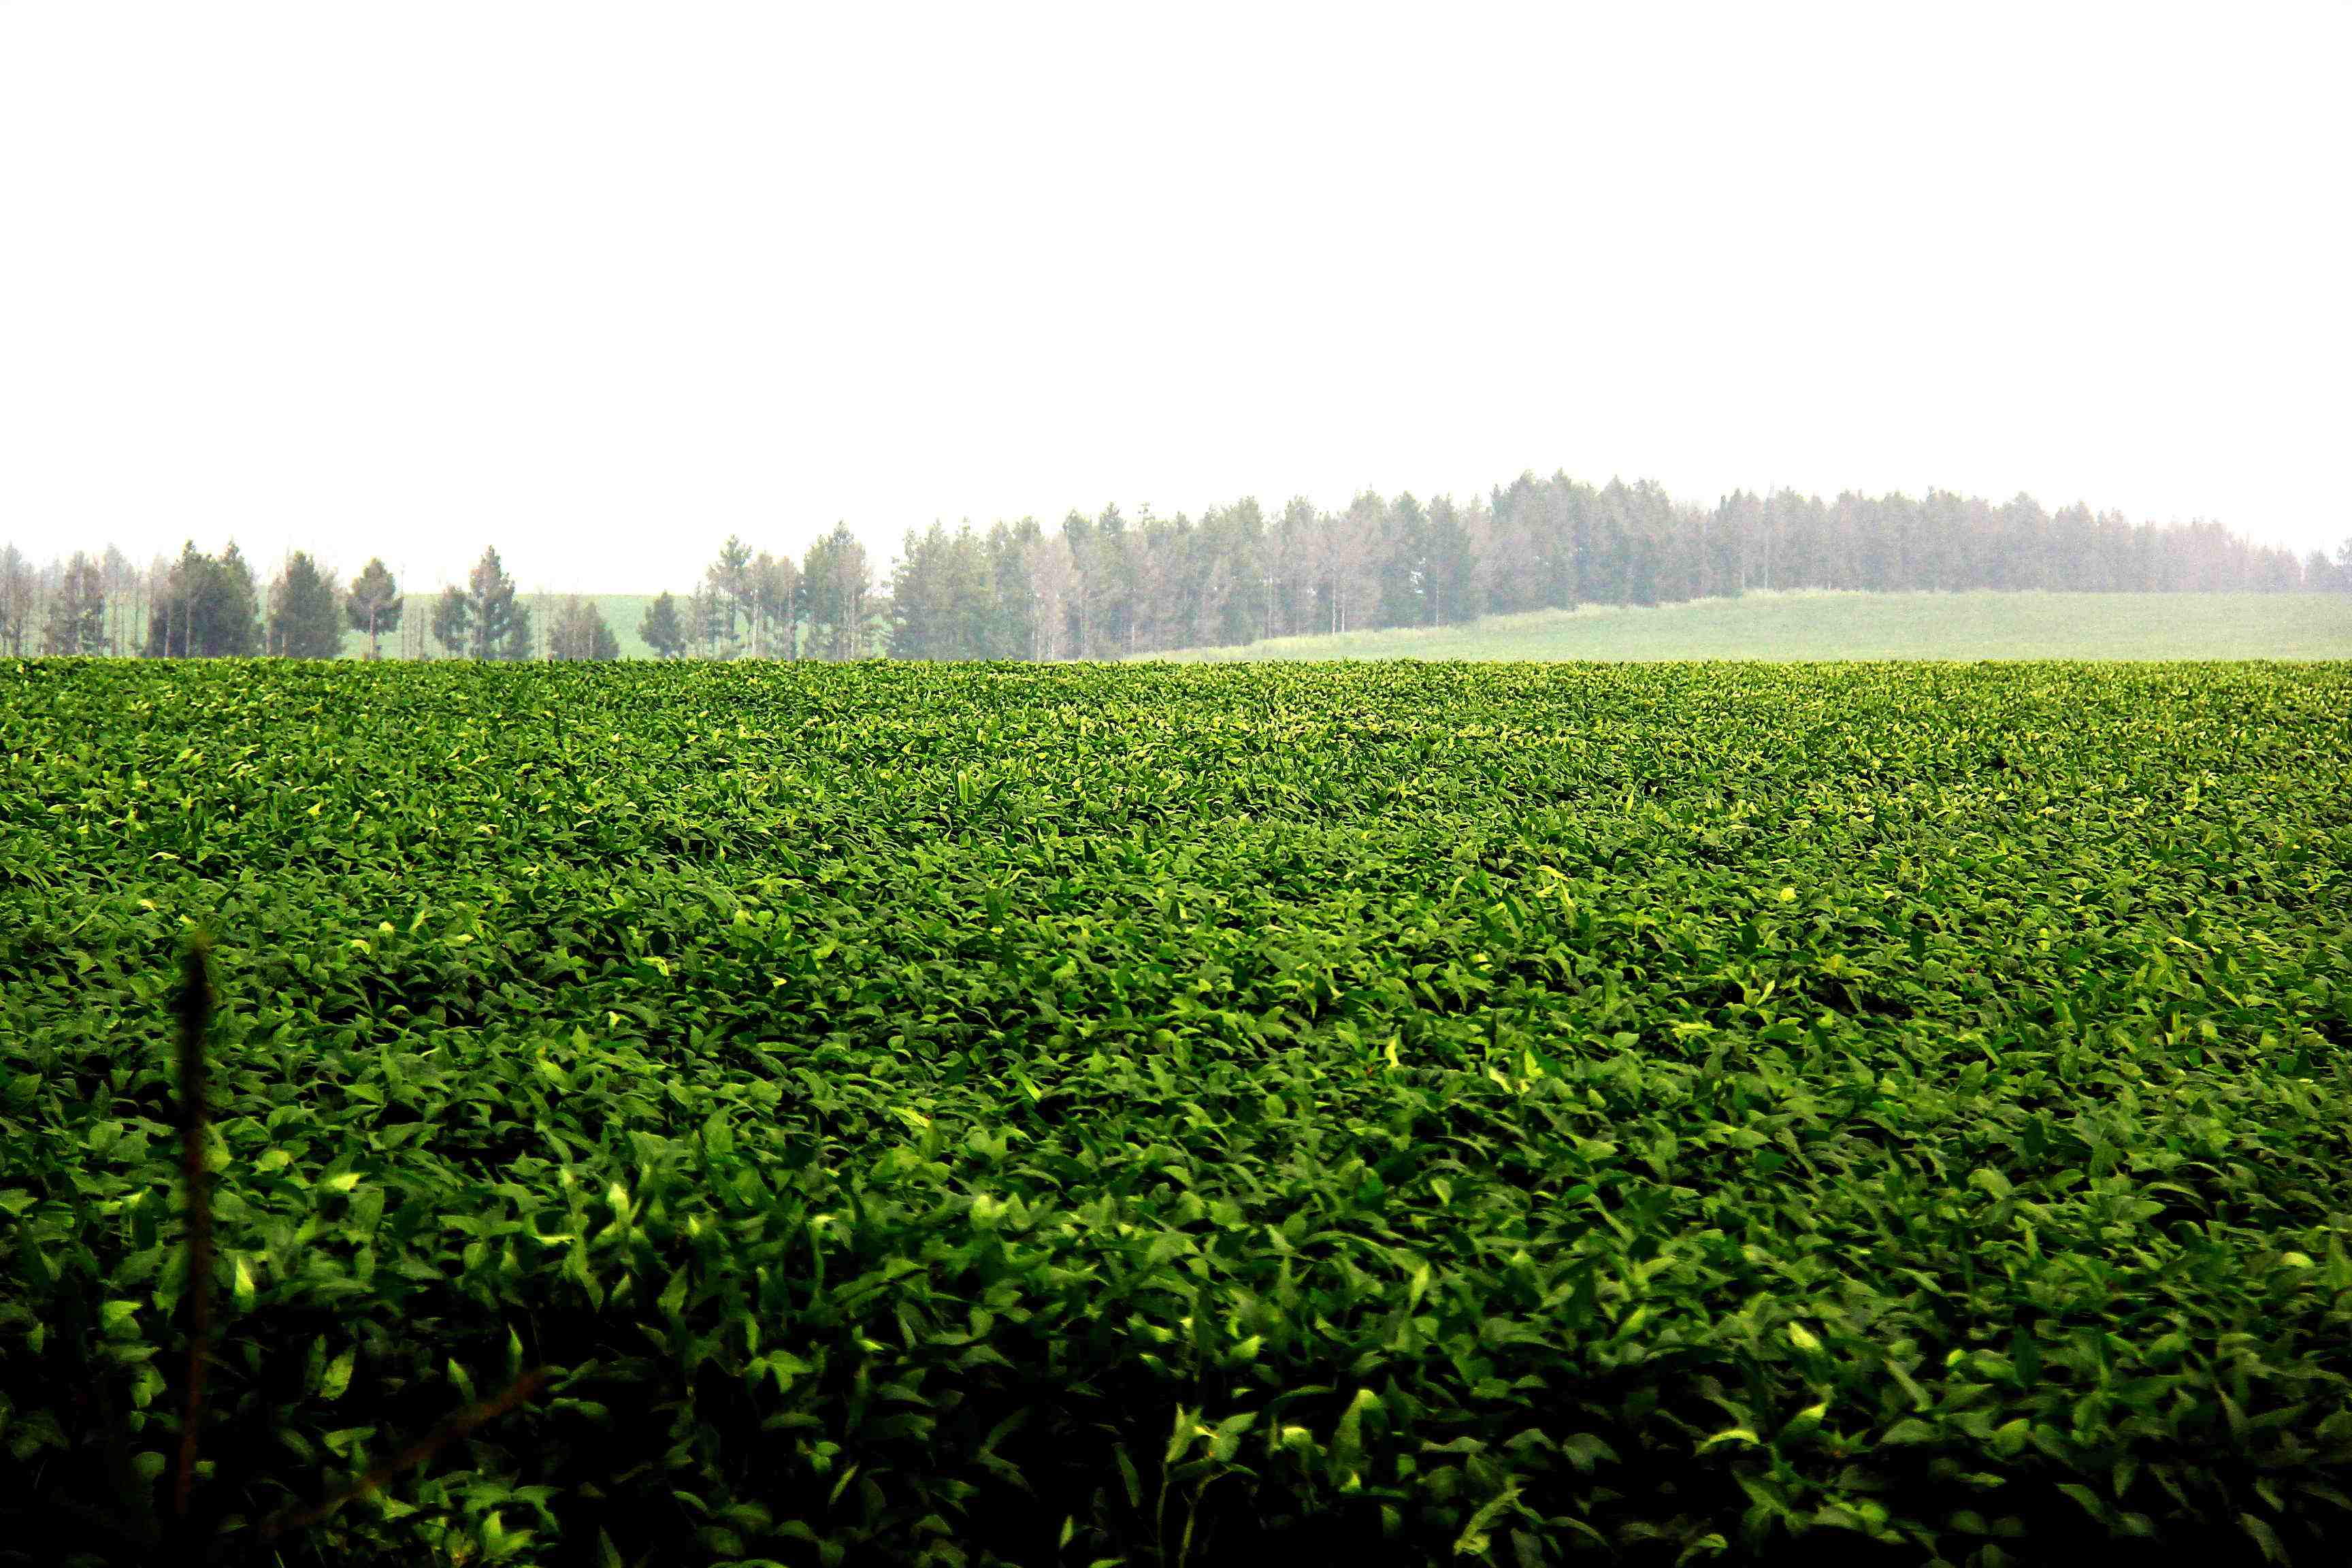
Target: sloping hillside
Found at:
x=1823, y=626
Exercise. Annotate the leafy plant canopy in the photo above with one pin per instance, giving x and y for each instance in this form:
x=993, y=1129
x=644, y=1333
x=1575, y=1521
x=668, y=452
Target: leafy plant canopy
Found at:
x=1142, y=1114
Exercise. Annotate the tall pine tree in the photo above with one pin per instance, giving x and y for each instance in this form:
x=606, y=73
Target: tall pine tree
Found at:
x=483, y=620
x=304, y=622
x=374, y=605
x=76, y=618
x=661, y=629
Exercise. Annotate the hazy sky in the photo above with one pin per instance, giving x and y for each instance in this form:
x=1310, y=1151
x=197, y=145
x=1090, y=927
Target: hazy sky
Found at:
x=602, y=284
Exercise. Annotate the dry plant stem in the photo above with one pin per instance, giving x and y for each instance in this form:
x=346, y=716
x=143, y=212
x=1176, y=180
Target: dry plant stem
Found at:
x=449, y=1431
x=195, y=1006
x=195, y=1014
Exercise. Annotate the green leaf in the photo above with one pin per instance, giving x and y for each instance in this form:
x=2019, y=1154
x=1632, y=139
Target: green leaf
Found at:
x=1348, y=1438
x=2265, y=1539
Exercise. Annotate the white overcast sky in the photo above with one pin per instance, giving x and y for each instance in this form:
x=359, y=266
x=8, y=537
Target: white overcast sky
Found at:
x=602, y=284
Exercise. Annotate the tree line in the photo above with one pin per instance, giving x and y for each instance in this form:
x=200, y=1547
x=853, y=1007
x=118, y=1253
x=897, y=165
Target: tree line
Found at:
x=211, y=607
x=1112, y=586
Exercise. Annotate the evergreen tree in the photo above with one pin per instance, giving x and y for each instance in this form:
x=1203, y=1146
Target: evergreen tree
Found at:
x=661, y=630
x=706, y=611
x=971, y=595
x=241, y=605
x=76, y=618
x=1112, y=586
x=452, y=622
x=483, y=620
x=731, y=596
x=943, y=599
x=303, y=621
x=775, y=594
x=1448, y=564
x=1400, y=569
x=205, y=607
x=374, y=605
x=578, y=633
x=837, y=582
x=918, y=607
x=1010, y=615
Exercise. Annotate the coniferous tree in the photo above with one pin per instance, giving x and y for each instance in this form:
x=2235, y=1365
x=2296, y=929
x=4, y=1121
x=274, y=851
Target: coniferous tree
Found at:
x=921, y=610
x=775, y=594
x=971, y=595
x=1398, y=528
x=241, y=605
x=303, y=620
x=730, y=595
x=578, y=633
x=1011, y=622
x=452, y=622
x=1450, y=562
x=172, y=607
x=1112, y=586
x=374, y=605
x=837, y=582
x=661, y=629
x=206, y=608
x=76, y=623
x=706, y=622
x=502, y=623
x=483, y=620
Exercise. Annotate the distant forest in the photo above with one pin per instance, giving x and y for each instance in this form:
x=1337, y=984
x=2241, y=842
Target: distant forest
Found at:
x=1114, y=586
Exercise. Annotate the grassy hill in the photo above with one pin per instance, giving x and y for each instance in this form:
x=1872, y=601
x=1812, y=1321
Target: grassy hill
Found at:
x=1823, y=626
x=1804, y=626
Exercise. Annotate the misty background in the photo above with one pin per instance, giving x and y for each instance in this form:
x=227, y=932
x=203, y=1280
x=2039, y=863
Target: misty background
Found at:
x=603, y=289
x=1114, y=586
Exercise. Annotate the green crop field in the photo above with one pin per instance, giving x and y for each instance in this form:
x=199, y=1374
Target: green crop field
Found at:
x=1153, y=1115
x=1825, y=625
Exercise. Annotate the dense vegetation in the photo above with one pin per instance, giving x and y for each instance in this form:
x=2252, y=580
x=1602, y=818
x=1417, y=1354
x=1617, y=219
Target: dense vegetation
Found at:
x=1151, y=1115
x=1113, y=586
